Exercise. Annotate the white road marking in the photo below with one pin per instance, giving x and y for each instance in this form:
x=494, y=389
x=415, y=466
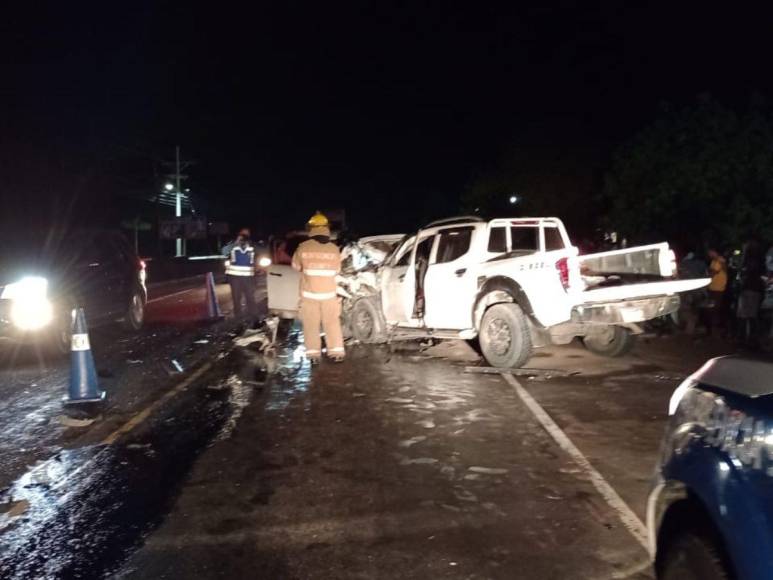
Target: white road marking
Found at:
x=146, y=412
x=629, y=519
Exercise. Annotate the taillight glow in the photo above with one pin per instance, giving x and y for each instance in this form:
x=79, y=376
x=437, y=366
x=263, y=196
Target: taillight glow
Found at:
x=562, y=266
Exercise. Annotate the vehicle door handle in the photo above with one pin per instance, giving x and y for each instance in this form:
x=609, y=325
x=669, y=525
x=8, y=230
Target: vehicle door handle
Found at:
x=460, y=272
x=275, y=274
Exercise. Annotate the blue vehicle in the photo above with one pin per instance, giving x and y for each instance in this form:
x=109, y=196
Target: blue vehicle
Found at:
x=710, y=513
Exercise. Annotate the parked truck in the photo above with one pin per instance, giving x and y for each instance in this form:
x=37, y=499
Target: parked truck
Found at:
x=514, y=284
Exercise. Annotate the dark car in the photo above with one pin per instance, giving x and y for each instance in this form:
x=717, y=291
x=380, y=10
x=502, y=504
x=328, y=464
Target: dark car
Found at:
x=710, y=513
x=44, y=277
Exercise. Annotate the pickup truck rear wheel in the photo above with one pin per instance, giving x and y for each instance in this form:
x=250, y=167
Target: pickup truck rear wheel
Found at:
x=504, y=336
x=611, y=341
x=367, y=322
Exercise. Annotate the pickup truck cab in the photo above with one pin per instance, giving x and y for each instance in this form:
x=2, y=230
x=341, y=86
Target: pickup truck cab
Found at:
x=515, y=284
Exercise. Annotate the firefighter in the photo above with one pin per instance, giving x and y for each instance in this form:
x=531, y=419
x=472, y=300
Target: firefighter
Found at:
x=241, y=275
x=319, y=261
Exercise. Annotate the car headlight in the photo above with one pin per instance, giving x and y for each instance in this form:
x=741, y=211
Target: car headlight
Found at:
x=29, y=287
x=30, y=308
x=679, y=393
x=707, y=417
x=264, y=262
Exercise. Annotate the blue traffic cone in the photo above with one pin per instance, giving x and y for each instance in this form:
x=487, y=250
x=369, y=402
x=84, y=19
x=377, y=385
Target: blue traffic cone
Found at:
x=213, y=307
x=83, y=374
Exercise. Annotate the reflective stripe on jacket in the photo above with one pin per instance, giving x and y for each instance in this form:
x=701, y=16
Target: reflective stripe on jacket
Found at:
x=319, y=263
x=241, y=261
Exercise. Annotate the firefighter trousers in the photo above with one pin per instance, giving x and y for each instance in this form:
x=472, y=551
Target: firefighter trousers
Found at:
x=327, y=315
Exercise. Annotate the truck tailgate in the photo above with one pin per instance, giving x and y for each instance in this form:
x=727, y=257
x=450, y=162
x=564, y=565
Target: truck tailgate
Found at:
x=642, y=290
x=652, y=260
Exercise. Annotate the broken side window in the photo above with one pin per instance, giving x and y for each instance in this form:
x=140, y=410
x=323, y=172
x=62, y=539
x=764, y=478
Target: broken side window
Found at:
x=404, y=254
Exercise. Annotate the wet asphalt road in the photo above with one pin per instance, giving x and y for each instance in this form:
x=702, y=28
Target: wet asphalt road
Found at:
x=392, y=464
x=132, y=368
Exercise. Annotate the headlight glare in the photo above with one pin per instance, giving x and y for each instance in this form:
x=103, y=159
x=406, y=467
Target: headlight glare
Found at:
x=29, y=287
x=264, y=262
x=31, y=313
x=30, y=309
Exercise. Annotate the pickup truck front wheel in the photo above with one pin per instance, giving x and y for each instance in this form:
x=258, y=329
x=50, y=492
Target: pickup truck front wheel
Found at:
x=610, y=341
x=366, y=321
x=504, y=336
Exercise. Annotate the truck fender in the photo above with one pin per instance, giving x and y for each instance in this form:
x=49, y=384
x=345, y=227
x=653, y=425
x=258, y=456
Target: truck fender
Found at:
x=497, y=290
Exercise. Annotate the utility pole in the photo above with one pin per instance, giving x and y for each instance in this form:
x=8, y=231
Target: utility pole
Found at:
x=178, y=205
x=178, y=176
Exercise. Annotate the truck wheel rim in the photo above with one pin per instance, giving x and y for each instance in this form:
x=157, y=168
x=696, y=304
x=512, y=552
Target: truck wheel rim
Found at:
x=499, y=336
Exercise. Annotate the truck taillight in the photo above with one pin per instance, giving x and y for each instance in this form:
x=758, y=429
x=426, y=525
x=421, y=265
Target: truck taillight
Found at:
x=562, y=266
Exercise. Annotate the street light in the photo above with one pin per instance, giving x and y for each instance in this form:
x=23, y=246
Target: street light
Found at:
x=513, y=199
x=168, y=186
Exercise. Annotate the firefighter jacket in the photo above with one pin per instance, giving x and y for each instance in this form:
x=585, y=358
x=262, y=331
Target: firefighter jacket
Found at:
x=319, y=263
x=241, y=261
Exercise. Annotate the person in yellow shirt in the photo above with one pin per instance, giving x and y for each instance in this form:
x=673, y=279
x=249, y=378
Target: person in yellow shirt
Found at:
x=717, y=288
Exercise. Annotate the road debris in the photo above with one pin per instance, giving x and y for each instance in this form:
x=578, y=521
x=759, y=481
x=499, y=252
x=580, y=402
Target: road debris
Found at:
x=262, y=338
x=75, y=422
x=173, y=367
x=412, y=441
x=522, y=372
x=14, y=509
x=487, y=470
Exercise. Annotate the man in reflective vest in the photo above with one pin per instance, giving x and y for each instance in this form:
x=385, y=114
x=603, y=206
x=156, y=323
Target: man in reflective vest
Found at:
x=241, y=275
x=319, y=261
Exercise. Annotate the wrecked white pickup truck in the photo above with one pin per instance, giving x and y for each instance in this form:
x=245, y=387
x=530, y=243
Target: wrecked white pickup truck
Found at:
x=515, y=284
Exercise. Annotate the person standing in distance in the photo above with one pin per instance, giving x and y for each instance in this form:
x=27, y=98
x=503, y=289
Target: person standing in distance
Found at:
x=319, y=262
x=241, y=275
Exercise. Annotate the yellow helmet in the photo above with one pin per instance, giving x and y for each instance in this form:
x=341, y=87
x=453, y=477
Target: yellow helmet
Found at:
x=318, y=220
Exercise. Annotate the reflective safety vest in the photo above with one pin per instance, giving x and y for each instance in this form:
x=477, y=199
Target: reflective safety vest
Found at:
x=319, y=265
x=241, y=261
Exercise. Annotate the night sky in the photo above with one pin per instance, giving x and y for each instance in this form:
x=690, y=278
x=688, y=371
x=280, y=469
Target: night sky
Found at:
x=387, y=109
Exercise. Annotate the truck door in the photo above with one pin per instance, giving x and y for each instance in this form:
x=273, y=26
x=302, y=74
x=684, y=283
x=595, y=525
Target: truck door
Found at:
x=398, y=285
x=450, y=284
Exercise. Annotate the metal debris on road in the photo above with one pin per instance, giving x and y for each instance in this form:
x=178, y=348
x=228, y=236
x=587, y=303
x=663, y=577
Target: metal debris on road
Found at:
x=173, y=367
x=263, y=338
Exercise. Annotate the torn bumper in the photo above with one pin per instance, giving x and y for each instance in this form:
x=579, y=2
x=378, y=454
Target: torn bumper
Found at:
x=625, y=311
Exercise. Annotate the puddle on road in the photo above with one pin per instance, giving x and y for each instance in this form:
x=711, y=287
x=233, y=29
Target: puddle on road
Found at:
x=85, y=510
x=292, y=375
